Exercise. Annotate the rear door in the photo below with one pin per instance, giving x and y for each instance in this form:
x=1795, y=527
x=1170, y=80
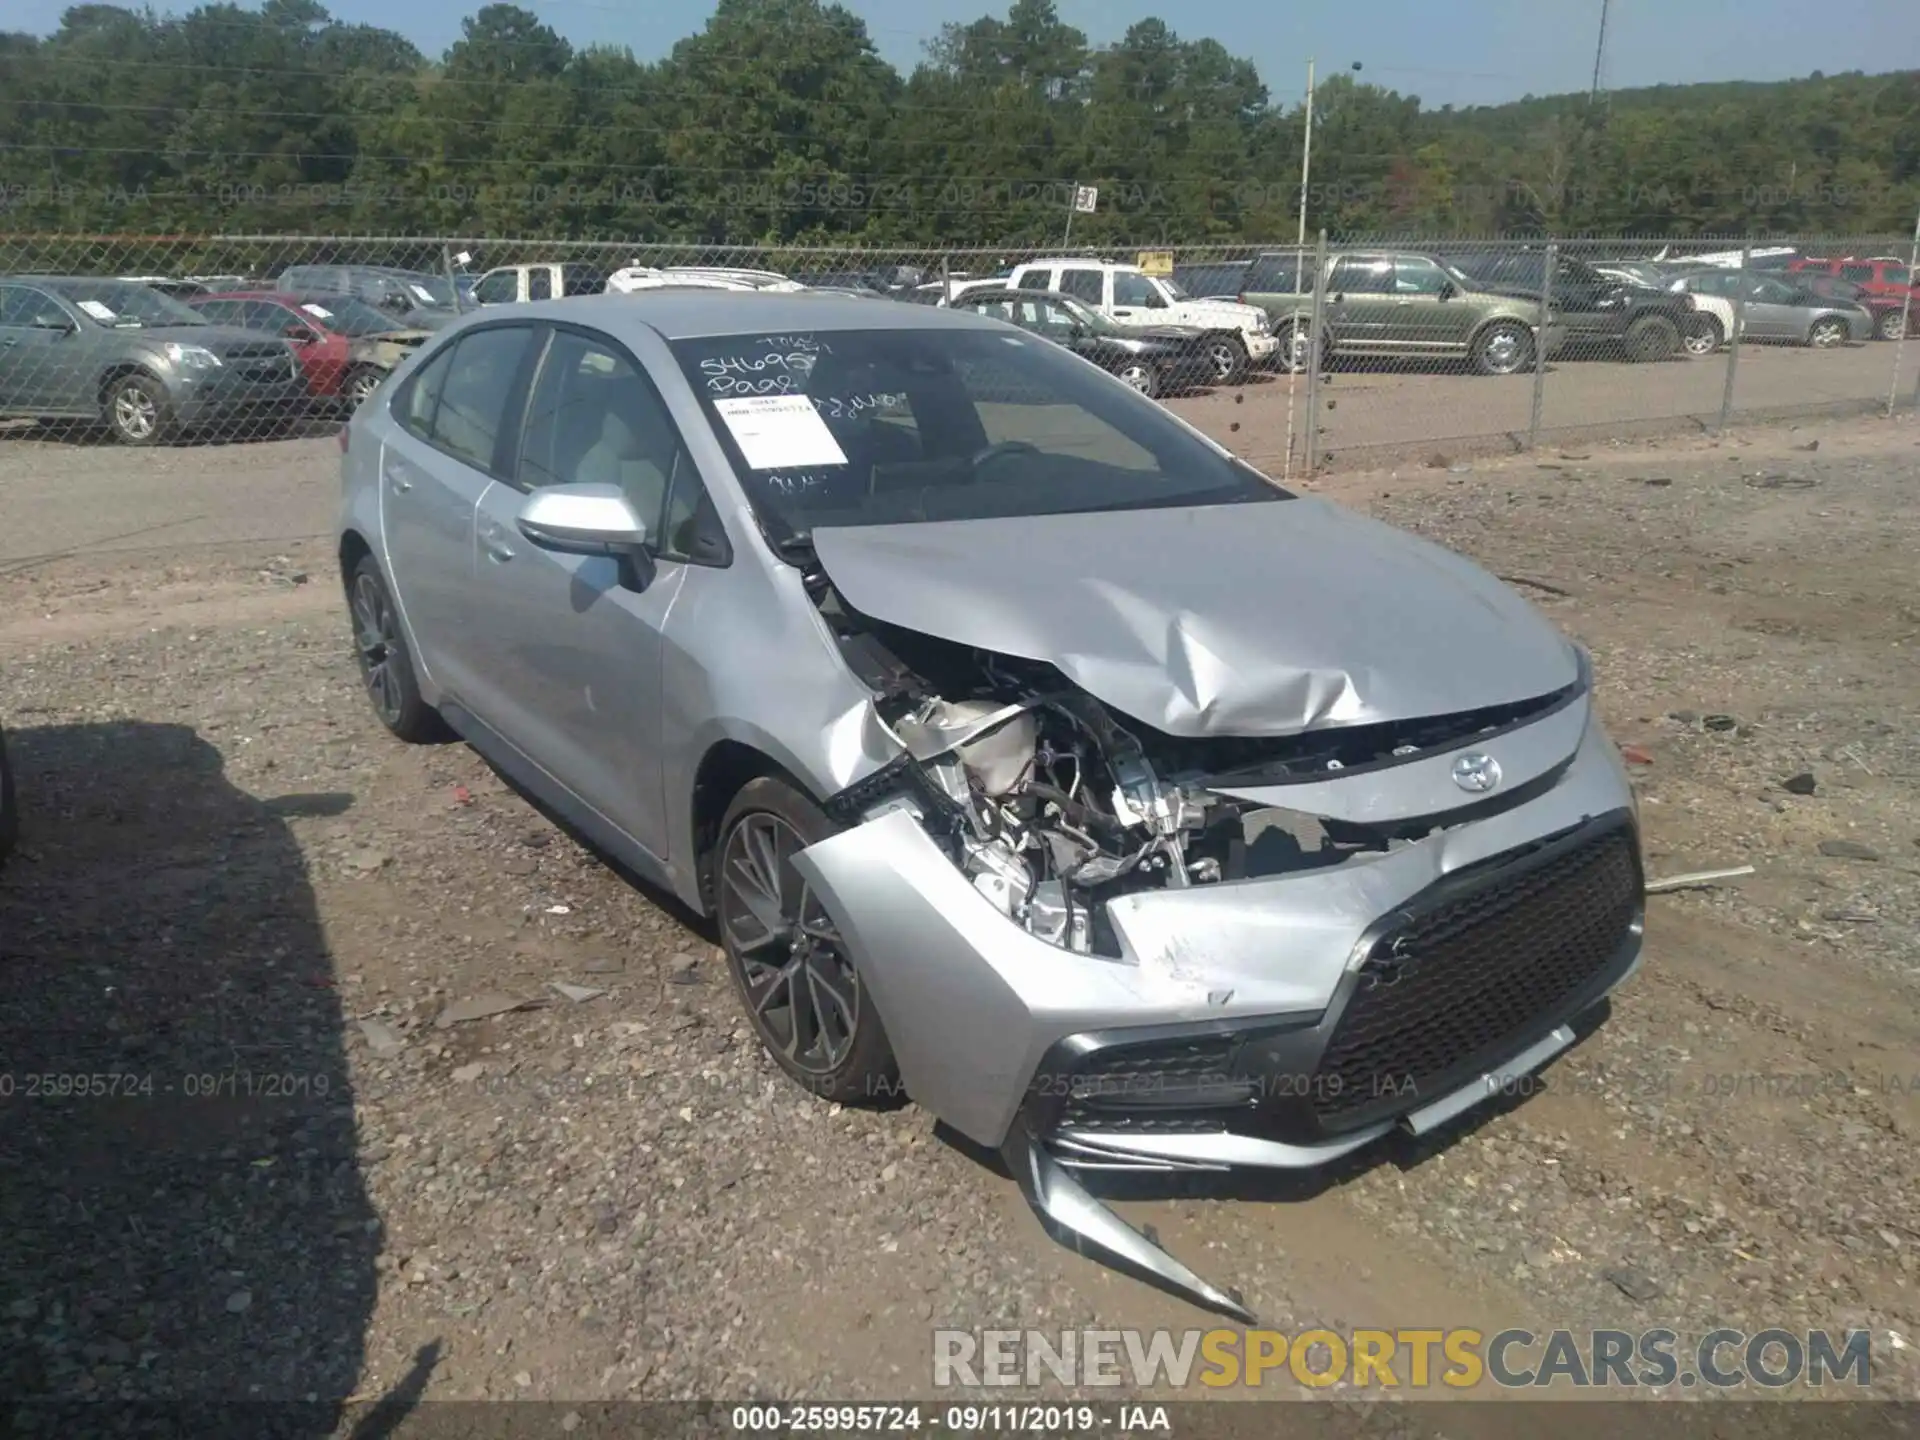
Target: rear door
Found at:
x=1362, y=306
x=540, y=282
x=1085, y=283
x=437, y=460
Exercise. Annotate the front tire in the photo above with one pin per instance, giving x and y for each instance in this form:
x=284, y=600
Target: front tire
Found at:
x=138, y=411
x=1227, y=357
x=798, y=985
x=1652, y=337
x=1827, y=334
x=1891, y=326
x=359, y=386
x=1503, y=348
x=1703, y=336
x=1296, y=352
x=386, y=669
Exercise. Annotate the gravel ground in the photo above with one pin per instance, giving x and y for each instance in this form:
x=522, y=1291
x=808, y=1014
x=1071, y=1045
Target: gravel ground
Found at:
x=246, y=926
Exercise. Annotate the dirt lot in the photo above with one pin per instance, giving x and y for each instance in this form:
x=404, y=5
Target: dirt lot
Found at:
x=243, y=907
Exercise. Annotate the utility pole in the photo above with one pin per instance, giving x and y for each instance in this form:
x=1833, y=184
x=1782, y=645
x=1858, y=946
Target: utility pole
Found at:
x=1599, y=56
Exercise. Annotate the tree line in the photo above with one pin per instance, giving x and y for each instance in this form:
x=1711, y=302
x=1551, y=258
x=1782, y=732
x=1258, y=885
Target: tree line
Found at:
x=779, y=123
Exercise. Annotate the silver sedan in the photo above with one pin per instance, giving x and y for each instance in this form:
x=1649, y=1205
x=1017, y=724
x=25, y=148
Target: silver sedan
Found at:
x=1777, y=310
x=1026, y=750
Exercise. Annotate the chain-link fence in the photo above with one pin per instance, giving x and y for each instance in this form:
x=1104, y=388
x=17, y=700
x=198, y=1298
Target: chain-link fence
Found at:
x=1352, y=348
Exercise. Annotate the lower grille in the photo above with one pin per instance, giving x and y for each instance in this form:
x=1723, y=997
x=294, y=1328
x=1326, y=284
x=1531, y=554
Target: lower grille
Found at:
x=1153, y=1085
x=1464, y=983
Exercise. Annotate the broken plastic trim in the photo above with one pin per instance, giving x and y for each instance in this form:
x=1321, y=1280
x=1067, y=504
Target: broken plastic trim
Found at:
x=1081, y=1223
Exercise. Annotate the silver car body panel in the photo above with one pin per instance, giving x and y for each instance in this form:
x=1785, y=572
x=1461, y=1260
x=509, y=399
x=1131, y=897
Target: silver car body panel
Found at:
x=972, y=1002
x=1215, y=620
x=1257, y=620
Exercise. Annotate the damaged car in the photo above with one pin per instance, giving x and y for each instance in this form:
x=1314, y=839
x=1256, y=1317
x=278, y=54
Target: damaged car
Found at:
x=1027, y=750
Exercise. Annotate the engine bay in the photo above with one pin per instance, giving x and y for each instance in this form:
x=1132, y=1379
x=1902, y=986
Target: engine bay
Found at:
x=1052, y=804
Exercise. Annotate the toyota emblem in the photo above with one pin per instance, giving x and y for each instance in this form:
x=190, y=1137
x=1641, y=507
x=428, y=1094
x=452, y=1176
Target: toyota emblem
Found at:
x=1476, y=773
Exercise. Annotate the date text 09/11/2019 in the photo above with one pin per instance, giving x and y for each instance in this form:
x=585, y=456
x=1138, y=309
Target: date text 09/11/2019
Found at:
x=141, y=1085
x=952, y=1419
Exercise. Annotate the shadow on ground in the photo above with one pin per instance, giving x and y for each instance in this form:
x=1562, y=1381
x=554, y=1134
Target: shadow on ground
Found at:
x=183, y=1215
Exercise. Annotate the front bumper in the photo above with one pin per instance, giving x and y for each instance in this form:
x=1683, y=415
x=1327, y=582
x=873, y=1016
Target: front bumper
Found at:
x=1279, y=1022
x=241, y=392
x=1261, y=348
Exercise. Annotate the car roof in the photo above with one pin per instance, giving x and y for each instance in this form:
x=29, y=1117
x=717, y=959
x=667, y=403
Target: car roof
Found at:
x=694, y=313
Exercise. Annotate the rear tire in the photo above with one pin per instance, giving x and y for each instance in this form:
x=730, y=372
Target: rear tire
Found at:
x=1652, y=337
x=1142, y=377
x=137, y=410
x=1703, y=336
x=1827, y=334
x=802, y=995
x=386, y=669
x=1503, y=348
x=359, y=386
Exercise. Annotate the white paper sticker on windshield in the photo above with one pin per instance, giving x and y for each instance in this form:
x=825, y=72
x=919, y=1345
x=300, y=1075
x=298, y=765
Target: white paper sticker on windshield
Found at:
x=775, y=431
x=97, y=311
x=320, y=310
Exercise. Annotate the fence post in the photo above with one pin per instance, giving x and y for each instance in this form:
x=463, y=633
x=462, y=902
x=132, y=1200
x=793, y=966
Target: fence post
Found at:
x=1733, y=345
x=1540, y=347
x=446, y=267
x=1906, y=323
x=1313, y=363
x=946, y=280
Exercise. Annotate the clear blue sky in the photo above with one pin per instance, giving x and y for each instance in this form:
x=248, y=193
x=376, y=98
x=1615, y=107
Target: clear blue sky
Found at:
x=1464, y=52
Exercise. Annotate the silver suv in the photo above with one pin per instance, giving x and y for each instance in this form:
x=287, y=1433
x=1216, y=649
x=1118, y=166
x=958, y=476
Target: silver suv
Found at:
x=1024, y=747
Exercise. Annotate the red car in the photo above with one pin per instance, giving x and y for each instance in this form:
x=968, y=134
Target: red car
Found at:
x=346, y=346
x=1880, y=277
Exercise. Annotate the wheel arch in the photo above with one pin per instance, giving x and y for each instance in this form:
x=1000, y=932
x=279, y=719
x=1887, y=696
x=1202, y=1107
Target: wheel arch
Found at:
x=117, y=371
x=725, y=769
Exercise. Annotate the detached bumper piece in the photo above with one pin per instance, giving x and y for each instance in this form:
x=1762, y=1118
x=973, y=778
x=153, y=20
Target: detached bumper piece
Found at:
x=1455, y=995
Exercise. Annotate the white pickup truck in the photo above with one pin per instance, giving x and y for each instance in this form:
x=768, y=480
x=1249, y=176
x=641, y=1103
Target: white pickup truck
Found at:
x=1126, y=293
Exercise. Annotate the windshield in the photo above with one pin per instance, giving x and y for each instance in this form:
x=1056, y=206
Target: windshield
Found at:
x=429, y=290
x=123, y=306
x=887, y=427
x=349, y=316
x=1175, y=290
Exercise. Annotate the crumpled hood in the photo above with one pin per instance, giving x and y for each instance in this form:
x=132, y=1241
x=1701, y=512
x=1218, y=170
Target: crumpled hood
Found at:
x=1248, y=619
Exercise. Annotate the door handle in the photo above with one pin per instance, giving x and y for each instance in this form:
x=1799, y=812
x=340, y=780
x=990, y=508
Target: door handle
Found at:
x=1398, y=303
x=494, y=542
x=398, y=478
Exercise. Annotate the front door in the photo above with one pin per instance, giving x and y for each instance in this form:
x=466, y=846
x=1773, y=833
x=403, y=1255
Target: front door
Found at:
x=441, y=459
x=43, y=350
x=1427, y=308
x=573, y=642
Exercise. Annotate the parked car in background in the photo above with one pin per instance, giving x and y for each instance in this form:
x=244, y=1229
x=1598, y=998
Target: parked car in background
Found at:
x=1775, y=310
x=635, y=278
x=345, y=346
x=421, y=301
x=142, y=363
x=1880, y=278
x=1127, y=294
x=1407, y=306
x=168, y=285
x=1156, y=360
x=1892, y=314
x=519, y=284
x=9, y=803
x=959, y=688
x=1213, y=279
x=1602, y=314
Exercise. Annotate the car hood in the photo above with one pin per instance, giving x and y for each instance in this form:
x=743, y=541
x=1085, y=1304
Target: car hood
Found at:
x=1260, y=619
x=1163, y=332
x=1227, y=313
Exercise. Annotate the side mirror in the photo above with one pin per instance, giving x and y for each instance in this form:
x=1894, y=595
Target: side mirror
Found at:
x=583, y=520
x=300, y=334
x=1447, y=292
x=58, y=324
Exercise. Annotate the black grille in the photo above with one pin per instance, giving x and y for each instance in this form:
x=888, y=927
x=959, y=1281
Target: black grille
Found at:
x=1461, y=984
x=1154, y=1085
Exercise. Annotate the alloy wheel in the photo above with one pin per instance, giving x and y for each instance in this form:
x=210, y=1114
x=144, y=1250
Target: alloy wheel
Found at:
x=1827, y=334
x=360, y=389
x=1225, y=361
x=803, y=991
x=135, y=414
x=376, y=635
x=1140, y=377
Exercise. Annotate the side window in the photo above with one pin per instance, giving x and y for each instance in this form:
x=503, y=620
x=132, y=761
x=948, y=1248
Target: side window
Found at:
x=1041, y=279
x=594, y=419
x=473, y=397
x=1135, y=291
x=540, y=283
x=1056, y=319
x=1414, y=275
x=495, y=289
x=421, y=398
x=1083, y=285
x=265, y=315
x=1354, y=275
x=21, y=306
x=220, y=312
x=1858, y=274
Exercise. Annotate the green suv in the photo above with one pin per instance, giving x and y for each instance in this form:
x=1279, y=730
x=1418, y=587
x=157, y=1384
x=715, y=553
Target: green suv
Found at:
x=1402, y=305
